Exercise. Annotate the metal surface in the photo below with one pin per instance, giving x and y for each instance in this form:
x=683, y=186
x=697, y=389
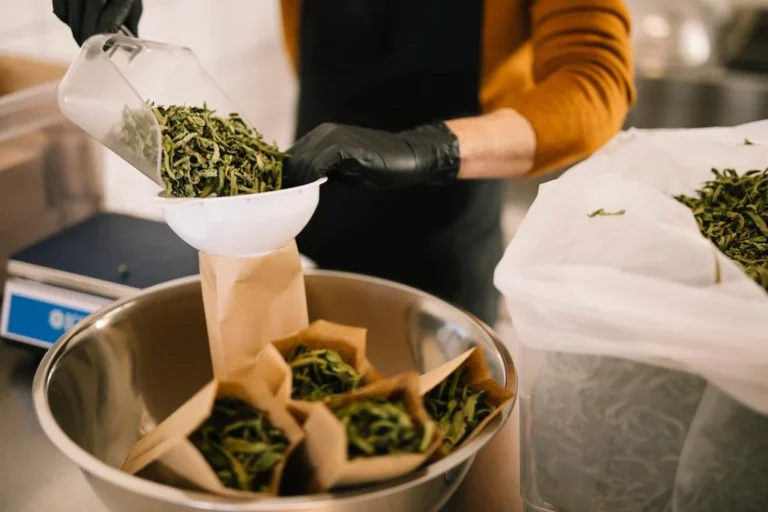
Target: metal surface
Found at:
x=712, y=98
x=147, y=354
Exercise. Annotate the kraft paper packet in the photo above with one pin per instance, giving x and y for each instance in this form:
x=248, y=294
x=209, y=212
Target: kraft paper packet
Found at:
x=348, y=341
x=271, y=369
x=168, y=445
x=250, y=302
x=325, y=440
x=478, y=377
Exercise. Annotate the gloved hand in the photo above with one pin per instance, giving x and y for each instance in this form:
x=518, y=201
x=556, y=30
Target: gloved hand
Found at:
x=425, y=155
x=89, y=17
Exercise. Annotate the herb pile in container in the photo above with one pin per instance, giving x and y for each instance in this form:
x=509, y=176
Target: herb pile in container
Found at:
x=304, y=411
x=638, y=287
x=207, y=155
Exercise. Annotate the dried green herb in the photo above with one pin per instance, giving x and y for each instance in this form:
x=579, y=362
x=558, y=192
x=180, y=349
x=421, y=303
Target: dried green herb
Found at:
x=602, y=213
x=205, y=155
x=381, y=427
x=457, y=408
x=319, y=374
x=748, y=142
x=732, y=211
x=241, y=445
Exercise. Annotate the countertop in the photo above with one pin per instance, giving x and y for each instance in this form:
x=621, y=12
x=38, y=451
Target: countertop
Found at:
x=35, y=477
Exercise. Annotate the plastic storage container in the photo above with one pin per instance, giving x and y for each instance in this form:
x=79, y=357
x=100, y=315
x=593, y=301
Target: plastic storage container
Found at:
x=106, y=91
x=50, y=171
x=608, y=434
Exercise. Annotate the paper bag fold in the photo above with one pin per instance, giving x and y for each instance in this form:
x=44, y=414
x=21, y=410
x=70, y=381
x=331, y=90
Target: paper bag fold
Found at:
x=250, y=302
x=326, y=438
x=270, y=368
x=347, y=340
x=478, y=377
x=168, y=445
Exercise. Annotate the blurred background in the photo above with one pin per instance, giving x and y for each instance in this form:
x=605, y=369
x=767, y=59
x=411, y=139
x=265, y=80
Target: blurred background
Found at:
x=699, y=63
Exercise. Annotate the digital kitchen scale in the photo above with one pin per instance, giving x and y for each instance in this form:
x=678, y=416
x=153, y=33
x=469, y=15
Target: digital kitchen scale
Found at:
x=55, y=283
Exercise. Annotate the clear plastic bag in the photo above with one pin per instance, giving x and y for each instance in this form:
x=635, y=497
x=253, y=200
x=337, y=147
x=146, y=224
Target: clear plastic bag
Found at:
x=724, y=463
x=627, y=334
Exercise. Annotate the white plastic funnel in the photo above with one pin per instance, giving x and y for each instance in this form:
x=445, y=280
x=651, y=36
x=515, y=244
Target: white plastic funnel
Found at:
x=114, y=74
x=246, y=225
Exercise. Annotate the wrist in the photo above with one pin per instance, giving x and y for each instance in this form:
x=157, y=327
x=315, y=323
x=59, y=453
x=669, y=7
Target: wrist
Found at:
x=500, y=144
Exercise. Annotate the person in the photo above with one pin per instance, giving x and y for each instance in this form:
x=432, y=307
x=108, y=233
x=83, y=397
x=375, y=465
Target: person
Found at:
x=416, y=109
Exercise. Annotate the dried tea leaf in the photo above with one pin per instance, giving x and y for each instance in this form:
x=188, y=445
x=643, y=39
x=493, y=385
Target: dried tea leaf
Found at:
x=205, y=155
x=457, y=408
x=319, y=374
x=718, y=270
x=379, y=427
x=732, y=211
x=602, y=213
x=240, y=445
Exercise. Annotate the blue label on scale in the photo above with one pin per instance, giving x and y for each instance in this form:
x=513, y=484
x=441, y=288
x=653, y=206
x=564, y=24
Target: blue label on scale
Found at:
x=41, y=320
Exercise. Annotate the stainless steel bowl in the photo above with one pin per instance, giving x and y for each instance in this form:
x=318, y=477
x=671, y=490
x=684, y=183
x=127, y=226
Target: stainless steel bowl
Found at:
x=147, y=354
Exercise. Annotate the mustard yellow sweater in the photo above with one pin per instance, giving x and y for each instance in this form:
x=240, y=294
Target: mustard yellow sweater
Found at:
x=566, y=65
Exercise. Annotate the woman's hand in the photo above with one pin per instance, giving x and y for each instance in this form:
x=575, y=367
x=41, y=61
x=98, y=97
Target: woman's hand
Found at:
x=428, y=154
x=89, y=17
x=496, y=145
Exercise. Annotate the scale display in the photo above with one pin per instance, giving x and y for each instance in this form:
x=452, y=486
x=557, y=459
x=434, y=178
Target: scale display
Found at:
x=39, y=314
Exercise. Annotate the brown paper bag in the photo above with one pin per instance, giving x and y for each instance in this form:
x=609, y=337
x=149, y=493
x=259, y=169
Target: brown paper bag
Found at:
x=250, y=302
x=326, y=438
x=348, y=341
x=168, y=445
x=273, y=371
x=478, y=377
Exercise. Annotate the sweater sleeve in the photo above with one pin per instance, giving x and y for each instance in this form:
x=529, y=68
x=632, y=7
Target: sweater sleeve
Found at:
x=582, y=71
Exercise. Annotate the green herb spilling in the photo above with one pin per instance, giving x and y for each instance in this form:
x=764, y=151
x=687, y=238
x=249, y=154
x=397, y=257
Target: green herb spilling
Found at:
x=457, y=408
x=240, y=445
x=380, y=427
x=732, y=211
x=205, y=155
x=319, y=374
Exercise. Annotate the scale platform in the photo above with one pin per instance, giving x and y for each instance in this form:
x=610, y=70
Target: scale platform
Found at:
x=55, y=283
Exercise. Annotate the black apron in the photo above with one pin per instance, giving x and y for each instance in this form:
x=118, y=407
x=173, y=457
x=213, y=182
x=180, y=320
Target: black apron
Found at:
x=393, y=65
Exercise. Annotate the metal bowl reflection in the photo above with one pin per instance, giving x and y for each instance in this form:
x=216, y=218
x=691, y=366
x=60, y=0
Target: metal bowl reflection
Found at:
x=147, y=354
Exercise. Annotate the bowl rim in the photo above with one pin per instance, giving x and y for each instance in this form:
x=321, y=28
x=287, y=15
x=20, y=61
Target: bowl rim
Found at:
x=166, y=202
x=197, y=500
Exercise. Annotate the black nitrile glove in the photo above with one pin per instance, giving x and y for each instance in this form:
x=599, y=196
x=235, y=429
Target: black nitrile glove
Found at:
x=425, y=155
x=89, y=17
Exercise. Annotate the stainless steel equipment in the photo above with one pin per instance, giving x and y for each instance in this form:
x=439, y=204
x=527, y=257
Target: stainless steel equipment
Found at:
x=147, y=354
x=710, y=98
